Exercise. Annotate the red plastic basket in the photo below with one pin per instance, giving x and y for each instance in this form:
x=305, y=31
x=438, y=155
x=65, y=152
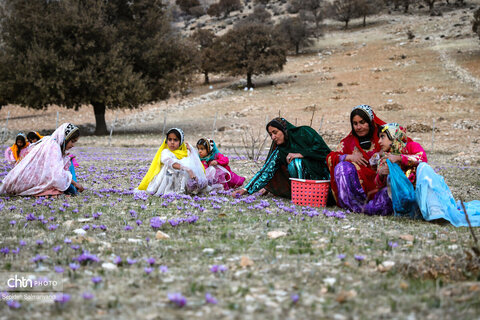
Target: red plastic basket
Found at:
x=312, y=193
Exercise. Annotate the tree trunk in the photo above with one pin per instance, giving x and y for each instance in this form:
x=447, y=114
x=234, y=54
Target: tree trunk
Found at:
x=430, y=5
x=297, y=48
x=207, y=80
x=346, y=24
x=100, y=124
x=364, y=21
x=249, y=80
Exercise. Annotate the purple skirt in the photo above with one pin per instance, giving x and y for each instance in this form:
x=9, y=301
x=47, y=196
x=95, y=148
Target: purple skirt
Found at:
x=352, y=196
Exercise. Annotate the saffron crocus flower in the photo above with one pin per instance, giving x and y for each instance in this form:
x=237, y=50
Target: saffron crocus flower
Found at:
x=74, y=266
x=87, y=296
x=13, y=304
x=156, y=222
x=22, y=243
x=294, y=298
x=392, y=244
x=341, y=256
x=127, y=228
x=96, y=280
x=62, y=298
x=148, y=270
x=150, y=261
x=210, y=299
x=131, y=261
x=177, y=299
x=39, y=242
x=67, y=241
x=359, y=257
x=164, y=269
x=13, y=222
x=58, y=269
x=117, y=260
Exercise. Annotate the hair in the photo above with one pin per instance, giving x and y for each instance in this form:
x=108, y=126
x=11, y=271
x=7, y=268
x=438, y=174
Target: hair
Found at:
x=364, y=116
x=20, y=137
x=175, y=132
x=74, y=135
x=203, y=142
x=32, y=135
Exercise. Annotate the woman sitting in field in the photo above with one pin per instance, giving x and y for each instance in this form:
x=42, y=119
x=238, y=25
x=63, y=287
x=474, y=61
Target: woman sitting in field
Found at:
x=216, y=166
x=17, y=151
x=34, y=136
x=46, y=169
x=296, y=152
x=352, y=177
x=176, y=168
x=414, y=185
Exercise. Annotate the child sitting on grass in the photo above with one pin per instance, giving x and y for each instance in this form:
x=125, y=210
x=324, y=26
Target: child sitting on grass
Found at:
x=17, y=151
x=175, y=168
x=216, y=164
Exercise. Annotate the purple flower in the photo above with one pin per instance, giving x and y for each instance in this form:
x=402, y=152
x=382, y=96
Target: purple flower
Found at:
x=218, y=268
x=210, y=299
x=13, y=222
x=117, y=260
x=52, y=227
x=131, y=261
x=148, y=270
x=150, y=261
x=62, y=298
x=12, y=304
x=57, y=248
x=103, y=227
x=67, y=241
x=39, y=242
x=127, y=228
x=177, y=299
x=86, y=257
x=156, y=222
x=295, y=297
x=359, y=257
x=39, y=258
x=87, y=296
x=86, y=227
x=164, y=269
x=138, y=222
x=133, y=213
x=96, y=279
x=5, y=250
x=392, y=244
x=58, y=269
x=74, y=266
x=22, y=243
x=75, y=246
x=341, y=256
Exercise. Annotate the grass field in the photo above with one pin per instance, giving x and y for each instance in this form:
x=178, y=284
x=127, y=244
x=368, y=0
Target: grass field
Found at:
x=219, y=260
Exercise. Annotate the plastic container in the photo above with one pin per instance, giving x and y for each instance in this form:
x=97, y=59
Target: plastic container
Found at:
x=312, y=193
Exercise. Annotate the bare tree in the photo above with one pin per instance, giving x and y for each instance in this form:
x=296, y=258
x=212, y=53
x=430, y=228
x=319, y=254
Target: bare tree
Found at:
x=224, y=7
x=206, y=58
x=368, y=7
x=314, y=7
x=430, y=4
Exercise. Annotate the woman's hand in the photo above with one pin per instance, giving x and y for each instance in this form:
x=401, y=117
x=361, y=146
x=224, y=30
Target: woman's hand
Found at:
x=77, y=185
x=383, y=170
x=292, y=156
x=213, y=163
x=191, y=174
x=357, y=157
x=395, y=158
x=239, y=192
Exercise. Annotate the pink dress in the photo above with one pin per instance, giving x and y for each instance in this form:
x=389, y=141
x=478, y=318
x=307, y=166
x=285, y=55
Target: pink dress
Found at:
x=228, y=178
x=43, y=169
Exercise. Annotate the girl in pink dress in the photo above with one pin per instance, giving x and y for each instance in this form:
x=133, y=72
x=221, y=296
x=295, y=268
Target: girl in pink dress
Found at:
x=216, y=166
x=47, y=168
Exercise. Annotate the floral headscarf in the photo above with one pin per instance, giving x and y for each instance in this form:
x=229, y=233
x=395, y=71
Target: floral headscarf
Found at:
x=398, y=136
x=211, y=148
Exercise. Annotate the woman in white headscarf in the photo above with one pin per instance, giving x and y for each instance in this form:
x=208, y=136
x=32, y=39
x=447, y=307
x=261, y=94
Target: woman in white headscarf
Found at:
x=46, y=169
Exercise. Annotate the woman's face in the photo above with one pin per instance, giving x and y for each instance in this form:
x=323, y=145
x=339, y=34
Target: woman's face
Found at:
x=33, y=140
x=71, y=144
x=384, y=142
x=277, y=135
x=173, y=142
x=20, y=143
x=202, y=151
x=360, y=126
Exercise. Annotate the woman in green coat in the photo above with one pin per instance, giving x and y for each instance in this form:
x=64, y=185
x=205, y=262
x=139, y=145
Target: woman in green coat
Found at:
x=296, y=152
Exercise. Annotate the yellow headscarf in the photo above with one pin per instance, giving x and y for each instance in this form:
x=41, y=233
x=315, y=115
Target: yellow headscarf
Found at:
x=157, y=165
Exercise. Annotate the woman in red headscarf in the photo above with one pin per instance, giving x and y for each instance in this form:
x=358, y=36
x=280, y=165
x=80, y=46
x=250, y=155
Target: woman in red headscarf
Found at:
x=352, y=177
